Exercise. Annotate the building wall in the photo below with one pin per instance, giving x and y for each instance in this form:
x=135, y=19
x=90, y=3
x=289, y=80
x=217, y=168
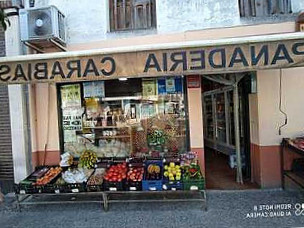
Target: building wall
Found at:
x=268, y=99
x=187, y=20
x=89, y=21
x=45, y=123
x=266, y=148
x=178, y=15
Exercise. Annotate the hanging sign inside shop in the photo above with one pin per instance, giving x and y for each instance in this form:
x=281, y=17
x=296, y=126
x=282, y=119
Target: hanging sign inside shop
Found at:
x=183, y=61
x=193, y=81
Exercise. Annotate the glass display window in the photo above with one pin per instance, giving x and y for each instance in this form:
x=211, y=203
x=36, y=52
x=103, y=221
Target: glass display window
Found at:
x=134, y=117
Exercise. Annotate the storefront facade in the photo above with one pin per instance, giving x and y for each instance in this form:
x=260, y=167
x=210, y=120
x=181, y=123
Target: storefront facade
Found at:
x=189, y=54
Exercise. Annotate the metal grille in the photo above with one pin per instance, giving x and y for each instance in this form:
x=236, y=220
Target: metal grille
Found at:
x=61, y=26
x=6, y=158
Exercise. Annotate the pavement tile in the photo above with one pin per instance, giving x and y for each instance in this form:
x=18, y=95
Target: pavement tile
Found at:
x=225, y=209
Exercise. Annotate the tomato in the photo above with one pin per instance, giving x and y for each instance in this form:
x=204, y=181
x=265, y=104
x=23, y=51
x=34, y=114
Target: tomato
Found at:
x=114, y=179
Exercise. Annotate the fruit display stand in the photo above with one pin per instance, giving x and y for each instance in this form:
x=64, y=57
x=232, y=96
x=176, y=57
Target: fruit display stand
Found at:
x=113, y=191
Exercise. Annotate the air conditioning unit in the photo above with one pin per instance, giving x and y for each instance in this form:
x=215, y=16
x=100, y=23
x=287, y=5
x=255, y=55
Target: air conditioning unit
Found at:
x=42, y=26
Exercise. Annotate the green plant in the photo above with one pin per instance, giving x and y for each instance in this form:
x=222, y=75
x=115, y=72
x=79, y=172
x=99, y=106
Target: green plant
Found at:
x=4, y=20
x=157, y=137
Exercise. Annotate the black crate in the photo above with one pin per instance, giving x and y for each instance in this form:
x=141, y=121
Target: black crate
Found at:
x=114, y=186
x=72, y=188
x=134, y=186
x=94, y=188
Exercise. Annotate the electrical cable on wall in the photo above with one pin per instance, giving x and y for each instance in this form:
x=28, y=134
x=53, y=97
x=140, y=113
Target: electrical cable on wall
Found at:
x=280, y=105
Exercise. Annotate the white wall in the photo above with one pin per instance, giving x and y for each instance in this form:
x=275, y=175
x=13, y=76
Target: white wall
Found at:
x=270, y=118
x=87, y=20
x=297, y=5
x=176, y=15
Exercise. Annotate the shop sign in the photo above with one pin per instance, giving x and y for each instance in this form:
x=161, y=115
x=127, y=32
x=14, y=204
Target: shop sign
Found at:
x=186, y=61
x=193, y=81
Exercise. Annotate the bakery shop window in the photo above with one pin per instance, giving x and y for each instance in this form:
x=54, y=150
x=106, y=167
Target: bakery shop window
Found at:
x=127, y=117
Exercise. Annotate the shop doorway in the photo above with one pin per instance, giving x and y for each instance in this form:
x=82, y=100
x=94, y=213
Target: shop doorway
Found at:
x=219, y=131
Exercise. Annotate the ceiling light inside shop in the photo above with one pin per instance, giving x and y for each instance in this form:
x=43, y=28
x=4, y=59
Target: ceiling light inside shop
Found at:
x=122, y=79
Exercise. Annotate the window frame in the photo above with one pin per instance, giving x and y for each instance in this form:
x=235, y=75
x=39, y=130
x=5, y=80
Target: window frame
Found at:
x=264, y=8
x=114, y=16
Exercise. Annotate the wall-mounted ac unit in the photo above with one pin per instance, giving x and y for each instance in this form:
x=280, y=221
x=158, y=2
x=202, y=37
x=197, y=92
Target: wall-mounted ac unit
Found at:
x=42, y=26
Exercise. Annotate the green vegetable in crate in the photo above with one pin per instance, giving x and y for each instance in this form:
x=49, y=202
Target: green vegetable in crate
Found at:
x=88, y=159
x=192, y=171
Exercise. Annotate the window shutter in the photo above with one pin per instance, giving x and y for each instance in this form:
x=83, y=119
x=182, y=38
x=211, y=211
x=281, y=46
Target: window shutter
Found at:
x=262, y=8
x=142, y=13
x=132, y=14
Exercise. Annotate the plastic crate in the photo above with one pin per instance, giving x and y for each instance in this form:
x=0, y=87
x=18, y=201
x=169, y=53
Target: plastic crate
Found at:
x=134, y=185
x=194, y=184
x=153, y=185
x=28, y=189
x=73, y=188
x=172, y=185
x=94, y=188
x=114, y=186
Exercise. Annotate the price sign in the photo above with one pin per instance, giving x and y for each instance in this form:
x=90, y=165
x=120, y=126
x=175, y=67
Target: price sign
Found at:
x=193, y=188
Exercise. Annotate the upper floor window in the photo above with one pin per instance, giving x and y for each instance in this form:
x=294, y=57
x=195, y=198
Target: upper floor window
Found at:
x=132, y=14
x=260, y=8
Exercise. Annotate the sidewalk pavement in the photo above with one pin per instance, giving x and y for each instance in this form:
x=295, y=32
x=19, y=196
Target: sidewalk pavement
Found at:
x=248, y=208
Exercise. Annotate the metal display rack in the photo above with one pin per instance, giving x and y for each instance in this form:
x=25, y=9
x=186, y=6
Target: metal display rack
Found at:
x=219, y=120
x=107, y=197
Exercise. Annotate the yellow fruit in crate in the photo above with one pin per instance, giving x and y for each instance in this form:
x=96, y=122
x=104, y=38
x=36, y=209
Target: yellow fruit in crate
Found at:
x=166, y=167
x=171, y=178
x=172, y=164
x=169, y=170
x=166, y=174
x=156, y=169
x=178, y=178
x=177, y=167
